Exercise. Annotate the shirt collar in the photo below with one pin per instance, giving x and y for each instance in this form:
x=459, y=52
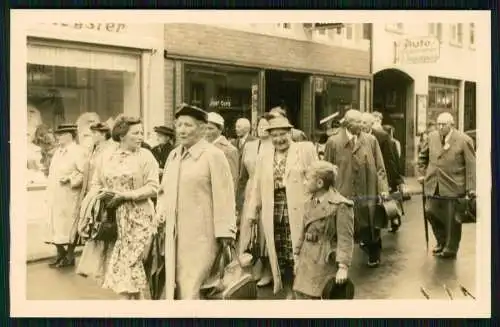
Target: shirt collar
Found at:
x=318, y=199
x=350, y=136
x=217, y=139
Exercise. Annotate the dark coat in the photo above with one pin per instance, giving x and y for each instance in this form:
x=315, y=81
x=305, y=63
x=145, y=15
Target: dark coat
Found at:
x=361, y=173
x=453, y=166
x=327, y=240
x=161, y=152
x=390, y=155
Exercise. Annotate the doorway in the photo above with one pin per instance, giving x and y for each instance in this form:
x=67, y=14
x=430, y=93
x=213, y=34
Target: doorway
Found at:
x=392, y=96
x=285, y=89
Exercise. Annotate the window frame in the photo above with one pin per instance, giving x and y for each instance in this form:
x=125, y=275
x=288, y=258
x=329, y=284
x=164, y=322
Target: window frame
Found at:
x=457, y=34
x=472, y=36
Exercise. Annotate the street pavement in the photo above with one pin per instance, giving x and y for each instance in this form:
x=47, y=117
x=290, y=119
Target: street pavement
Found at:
x=405, y=268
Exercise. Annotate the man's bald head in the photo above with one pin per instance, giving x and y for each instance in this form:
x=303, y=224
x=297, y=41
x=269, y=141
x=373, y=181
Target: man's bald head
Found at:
x=242, y=127
x=445, y=122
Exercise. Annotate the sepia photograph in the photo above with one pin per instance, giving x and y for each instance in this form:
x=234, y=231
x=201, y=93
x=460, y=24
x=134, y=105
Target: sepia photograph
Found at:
x=265, y=161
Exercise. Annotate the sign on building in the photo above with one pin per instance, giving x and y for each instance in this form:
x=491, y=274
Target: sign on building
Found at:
x=417, y=50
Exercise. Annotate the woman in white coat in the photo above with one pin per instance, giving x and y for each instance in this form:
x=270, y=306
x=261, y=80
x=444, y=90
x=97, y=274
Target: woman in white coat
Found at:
x=279, y=192
x=197, y=203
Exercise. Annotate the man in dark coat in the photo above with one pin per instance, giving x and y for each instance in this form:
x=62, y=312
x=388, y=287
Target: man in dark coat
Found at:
x=447, y=167
x=361, y=178
x=371, y=125
x=166, y=141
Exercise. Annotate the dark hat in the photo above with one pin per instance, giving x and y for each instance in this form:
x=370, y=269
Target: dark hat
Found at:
x=165, y=130
x=195, y=112
x=101, y=127
x=334, y=291
x=66, y=128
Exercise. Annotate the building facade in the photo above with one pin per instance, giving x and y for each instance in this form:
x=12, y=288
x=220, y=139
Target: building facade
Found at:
x=421, y=70
x=106, y=68
x=244, y=70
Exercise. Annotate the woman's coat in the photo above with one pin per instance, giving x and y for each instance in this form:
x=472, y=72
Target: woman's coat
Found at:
x=300, y=157
x=198, y=205
x=63, y=199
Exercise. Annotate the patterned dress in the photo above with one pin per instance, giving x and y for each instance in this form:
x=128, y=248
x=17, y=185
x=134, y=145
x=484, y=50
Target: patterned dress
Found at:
x=282, y=235
x=125, y=171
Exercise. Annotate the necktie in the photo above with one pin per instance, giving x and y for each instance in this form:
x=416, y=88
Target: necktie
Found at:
x=443, y=140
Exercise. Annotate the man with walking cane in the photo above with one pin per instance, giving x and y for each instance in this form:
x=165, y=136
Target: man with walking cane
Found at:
x=447, y=166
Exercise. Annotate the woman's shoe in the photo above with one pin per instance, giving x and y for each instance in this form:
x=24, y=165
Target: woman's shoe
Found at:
x=265, y=280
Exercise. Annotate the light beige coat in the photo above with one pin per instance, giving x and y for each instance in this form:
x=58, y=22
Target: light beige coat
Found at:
x=198, y=205
x=300, y=156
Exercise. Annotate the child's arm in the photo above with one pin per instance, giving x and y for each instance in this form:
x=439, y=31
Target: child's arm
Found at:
x=345, y=234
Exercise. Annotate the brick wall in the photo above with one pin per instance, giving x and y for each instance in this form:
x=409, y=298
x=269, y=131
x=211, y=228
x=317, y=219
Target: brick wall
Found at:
x=249, y=49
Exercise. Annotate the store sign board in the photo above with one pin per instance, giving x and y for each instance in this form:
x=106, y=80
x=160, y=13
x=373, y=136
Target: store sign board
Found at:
x=418, y=50
x=99, y=27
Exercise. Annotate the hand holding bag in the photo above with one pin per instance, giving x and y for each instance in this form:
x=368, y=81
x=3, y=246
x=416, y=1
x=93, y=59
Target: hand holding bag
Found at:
x=230, y=278
x=254, y=250
x=105, y=228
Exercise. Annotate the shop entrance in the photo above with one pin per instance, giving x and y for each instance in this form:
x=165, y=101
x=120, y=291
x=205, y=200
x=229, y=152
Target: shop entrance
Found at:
x=284, y=89
x=393, y=94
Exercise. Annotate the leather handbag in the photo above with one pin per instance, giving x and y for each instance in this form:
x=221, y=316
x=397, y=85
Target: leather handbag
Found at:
x=254, y=250
x=105, y=227
x=230, y=277
x=466, y=210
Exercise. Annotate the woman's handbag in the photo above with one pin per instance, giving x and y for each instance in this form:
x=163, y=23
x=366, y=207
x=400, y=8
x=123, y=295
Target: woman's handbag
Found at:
x=105, y=228
x=230, y=278
x=254, y=250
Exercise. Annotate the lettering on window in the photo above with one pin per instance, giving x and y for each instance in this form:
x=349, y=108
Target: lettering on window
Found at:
x=220, y=103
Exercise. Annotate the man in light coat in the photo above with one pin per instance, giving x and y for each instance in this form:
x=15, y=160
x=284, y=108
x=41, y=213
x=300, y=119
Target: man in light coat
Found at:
x=197, y=204
x=362, y=178
x=447, y=165
x=213, y=134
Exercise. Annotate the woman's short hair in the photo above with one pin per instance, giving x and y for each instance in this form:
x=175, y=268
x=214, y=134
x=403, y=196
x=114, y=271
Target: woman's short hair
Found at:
x=326, y=171
x=122, y=125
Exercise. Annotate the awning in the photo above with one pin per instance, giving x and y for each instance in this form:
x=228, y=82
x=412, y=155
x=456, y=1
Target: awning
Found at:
x=81, y=58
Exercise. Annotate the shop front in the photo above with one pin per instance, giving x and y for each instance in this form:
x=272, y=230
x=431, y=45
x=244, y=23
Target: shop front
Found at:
x=242, y=92
x=82, y=73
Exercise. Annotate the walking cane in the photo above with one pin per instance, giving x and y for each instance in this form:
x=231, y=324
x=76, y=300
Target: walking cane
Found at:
x=426, y=222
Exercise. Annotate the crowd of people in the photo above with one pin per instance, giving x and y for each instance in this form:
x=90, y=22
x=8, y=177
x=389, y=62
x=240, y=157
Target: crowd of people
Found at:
x=310, y=204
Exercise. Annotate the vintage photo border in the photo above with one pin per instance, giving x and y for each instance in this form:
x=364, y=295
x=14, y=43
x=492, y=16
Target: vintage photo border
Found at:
x=20, y=307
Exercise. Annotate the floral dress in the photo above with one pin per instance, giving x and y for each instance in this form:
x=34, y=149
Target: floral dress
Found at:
x=124, y=171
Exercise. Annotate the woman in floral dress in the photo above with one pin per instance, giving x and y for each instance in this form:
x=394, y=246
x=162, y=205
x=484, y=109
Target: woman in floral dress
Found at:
x=131, y=173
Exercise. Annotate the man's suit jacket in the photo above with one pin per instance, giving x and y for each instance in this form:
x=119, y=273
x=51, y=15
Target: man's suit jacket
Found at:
x=361, y=170
x=236, y=143
x=232, y=155
x=452, y=166
x=391, y=162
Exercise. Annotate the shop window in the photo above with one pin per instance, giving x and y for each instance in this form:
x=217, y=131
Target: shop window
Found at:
x=64, y=85
x=443, y=97
x=436, y=29
x=225, y=90
x=349, y=31
x=335, y=95
x=469, y=106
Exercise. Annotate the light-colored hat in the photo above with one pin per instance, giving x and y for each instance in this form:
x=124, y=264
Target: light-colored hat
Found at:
x=215, y=118
x=279, y=123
